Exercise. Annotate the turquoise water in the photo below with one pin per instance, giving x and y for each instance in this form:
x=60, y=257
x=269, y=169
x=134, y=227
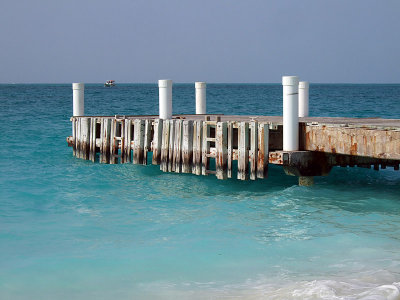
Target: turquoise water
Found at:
x=71, y=229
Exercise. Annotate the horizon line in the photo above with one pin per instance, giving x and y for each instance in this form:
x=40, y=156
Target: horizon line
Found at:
x=177, y=82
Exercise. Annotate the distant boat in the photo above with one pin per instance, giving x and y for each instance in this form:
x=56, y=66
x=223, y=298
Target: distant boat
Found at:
x=109, y=83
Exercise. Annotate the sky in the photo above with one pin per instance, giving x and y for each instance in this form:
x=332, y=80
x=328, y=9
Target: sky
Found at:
x=57, y=41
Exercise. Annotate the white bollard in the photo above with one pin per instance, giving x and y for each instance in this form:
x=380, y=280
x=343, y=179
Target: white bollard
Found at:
x=78, y=96
x=303, y=98
x=165, y=98
x=200, y=98
x=290, y=113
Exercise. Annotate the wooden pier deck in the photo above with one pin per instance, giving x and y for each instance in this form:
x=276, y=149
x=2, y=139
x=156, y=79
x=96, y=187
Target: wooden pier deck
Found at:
x=212, y=144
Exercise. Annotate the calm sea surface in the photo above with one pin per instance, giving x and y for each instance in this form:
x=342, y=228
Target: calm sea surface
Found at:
x=71, y=229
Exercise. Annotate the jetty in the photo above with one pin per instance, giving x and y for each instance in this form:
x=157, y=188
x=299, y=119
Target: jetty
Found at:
x=236, y=146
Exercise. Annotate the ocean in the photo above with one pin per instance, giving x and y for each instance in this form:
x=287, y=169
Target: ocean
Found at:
x=73, y=229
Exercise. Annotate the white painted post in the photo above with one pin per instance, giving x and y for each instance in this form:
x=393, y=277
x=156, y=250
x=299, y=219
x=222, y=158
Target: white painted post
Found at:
x=303, y=98
x=165, y=98
x=200, y=98
x=290, y=113
x=78, y=95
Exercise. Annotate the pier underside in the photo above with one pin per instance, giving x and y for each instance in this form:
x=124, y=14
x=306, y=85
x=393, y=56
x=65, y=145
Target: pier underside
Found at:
x=221, y=144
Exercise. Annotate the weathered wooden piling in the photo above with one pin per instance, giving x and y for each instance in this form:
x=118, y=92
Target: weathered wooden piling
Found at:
x=74, y=135
x=93, y=136
x=253, y=151
x=147, y=139
x=105, y=150
x=128, y=141
x=77, y=137
x=197, y=146
x=138, y=148
x=243, y=151
x=85, y=138
x=165, y=146
x=121, y=141
x=171, y=166
x=157, y=141
x=222, y=150
x=263, y=150
x=205, y=158
x=177, y=152
x=187, y=147
x=114, y=142
x=230, y=149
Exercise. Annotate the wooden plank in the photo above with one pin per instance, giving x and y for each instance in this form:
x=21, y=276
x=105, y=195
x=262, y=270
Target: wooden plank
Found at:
x=171, y=166
x=197, y=146
x=243, y=157
x=92, y=150
x=222, y=150
x=138, y=147
x=230, y=149
x=253, y=149
x=177, y=147
x=205, y=149
x=157, y=141
x=85, y=138
x=165, y=146
x=147, y=139
x=263, y=151
x=187, y=147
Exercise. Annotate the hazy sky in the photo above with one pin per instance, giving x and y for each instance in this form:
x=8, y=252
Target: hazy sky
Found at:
x=215, y=41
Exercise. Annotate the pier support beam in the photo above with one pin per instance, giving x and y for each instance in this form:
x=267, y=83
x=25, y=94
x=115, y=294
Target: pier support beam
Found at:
x=305, y=163
x=306, y=180
x=165, y=98
x=303, y=99
x=78, y=96
x=290, y=113
x=200, y=97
